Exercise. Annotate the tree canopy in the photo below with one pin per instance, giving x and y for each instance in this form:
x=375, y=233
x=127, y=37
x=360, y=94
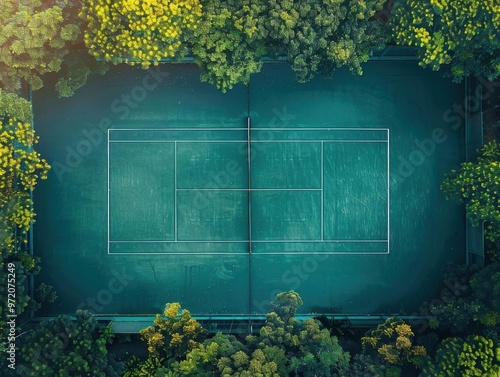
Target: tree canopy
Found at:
x=139, y=31
x=477, y=184
x=460, y=36
x=320, y=36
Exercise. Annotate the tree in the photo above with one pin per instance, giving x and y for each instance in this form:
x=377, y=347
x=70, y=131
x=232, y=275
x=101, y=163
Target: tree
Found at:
x=229, y=42
x=393, y=342
x=285, y=346
x=37, y=38
x=366, y=366
x=485, y=286
x=457, y=308
x=174, y=334
x=460, y=36
x=67, y=347
x=309, y=348
x=20, y=167
x=322, y=35
x=139, y=31
x=477, y=184
x=473, y=356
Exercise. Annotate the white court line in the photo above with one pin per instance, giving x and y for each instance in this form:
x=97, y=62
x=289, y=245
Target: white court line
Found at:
x=255, y=128
x=108, y=190
x=248, y=189
x=175, y=190
x=246, y=241
x=245, y=253
x=179, y=141
x=179, y=129
x=253, y=141
x=259, y=141
x=322, y=171
x=388, y=196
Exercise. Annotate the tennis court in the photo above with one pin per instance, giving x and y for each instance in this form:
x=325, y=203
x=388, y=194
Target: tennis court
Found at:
x=177, y=192
x=237, y=190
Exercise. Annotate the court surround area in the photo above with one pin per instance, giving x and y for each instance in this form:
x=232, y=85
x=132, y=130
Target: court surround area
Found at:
x=220, y=201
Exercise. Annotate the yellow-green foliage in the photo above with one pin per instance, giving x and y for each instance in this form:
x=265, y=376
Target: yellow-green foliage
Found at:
x=464, y=34
x=228, y=44
x=143, y=31
x=174, y=333
x=34, y=40
x=320, y=36
x=20, y=168
x=474, y=356
x=241, y=365
x=393, y=341
x=147, y=368
x=477, y=184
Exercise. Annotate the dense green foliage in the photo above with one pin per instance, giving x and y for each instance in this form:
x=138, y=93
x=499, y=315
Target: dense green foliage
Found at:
x=485, y=286
x=456, y=309
x=66, y=347
x=39, y=37
x=139, y=31
x=462, y=36
x=477, y=184
x=20, y=168
x=366, y=366
x=309, y=348
x=228, y=38
x=285, y=346
x=393, y=342
x=173, y=335
x=34, y=40
x=468, y=304
x=229, y=41
x=320, y=36
x=473, y=356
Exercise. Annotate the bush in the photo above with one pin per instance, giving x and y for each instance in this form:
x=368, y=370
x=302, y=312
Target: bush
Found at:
x=65, y=347
x=473, y=356
x=459, y=36
x=393, y=342
x=478, y=186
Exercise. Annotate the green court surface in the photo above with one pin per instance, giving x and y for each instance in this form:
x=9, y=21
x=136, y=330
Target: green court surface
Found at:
x=176, y=192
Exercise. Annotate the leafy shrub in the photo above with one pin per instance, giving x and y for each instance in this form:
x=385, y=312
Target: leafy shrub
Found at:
x=229, y=42
x=320, y=36
x=173, y=334
x=459, y=36
x=485, y=286
x=393, y=342
x=63, y=347
x=139, y=31
x=478, y=186
x=473, y=356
